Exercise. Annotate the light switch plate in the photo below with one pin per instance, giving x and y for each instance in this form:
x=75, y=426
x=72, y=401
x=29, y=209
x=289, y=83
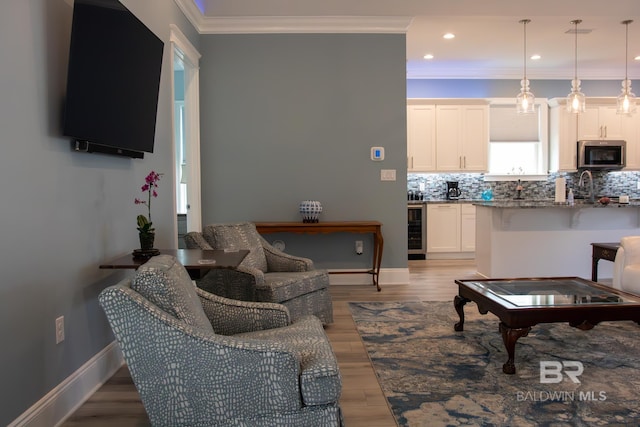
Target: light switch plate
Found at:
x=387, y=174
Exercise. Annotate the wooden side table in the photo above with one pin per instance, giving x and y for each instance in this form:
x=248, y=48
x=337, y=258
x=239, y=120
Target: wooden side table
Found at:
x=195, y=261
x=371, y=227
x=602, y=251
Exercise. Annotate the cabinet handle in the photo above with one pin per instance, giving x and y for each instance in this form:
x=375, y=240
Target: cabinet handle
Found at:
x=605, y=131
x=464, y=164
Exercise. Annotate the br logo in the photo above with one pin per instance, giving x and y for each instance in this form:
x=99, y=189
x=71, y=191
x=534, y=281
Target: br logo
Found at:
x=551, y=371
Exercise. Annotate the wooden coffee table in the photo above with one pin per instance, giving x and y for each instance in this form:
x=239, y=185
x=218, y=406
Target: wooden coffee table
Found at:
x=523, y=303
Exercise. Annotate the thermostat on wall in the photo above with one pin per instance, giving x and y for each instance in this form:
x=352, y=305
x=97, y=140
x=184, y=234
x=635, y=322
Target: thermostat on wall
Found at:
x=377, y=153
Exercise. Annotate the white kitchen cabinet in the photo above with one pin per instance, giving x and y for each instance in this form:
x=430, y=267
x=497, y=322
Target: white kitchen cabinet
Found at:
x=467, y=228
x=462, y=138
x=600, y=122
x=563, y=137
x=447, y=135
x=421, y=138
x=631, y=134
x=443, y=227
x=451, y=228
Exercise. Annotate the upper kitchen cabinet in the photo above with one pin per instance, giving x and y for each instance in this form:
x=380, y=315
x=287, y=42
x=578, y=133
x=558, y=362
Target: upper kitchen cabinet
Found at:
x=421, y=138
x=563, y=137
x=600, y=122
x=462, y=138
x=447, y=135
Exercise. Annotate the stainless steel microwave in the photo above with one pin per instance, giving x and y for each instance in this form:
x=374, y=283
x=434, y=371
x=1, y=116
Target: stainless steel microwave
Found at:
x=602, y=154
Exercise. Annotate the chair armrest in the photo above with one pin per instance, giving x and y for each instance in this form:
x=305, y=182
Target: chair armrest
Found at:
x=239, y=283
x=618, y=269
x=195, y=240
x=280, y=261
x=230, y=317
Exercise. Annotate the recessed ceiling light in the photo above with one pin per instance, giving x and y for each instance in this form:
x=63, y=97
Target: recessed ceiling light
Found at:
x=535, y=57
x=637, y=58
x=428, y=56
x=449, y=36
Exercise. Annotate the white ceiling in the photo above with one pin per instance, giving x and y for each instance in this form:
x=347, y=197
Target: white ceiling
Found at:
x=489, y=39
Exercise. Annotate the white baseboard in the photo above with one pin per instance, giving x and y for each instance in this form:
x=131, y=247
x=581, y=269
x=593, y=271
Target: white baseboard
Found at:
x=451, y=255
x=388, y=276
x=57, y=405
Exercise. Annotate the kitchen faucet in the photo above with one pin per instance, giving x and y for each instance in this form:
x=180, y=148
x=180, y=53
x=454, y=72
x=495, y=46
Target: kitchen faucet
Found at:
x=592, y=197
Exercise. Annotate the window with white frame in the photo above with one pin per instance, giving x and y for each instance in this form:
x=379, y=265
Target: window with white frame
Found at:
x=518, y=143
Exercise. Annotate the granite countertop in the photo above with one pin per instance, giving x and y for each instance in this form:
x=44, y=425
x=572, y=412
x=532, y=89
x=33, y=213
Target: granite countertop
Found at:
x=579, y=204
x=430, y=201
x=528, y=203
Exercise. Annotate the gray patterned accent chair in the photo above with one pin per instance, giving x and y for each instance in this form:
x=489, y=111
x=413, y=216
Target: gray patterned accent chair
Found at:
x=198, y=359
x=266, y=274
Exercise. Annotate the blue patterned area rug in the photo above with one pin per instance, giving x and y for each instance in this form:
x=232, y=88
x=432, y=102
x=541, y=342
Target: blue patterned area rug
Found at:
x=434, y=376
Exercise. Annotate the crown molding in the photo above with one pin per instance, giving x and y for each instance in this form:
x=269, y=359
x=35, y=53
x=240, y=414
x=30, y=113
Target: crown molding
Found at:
x=305, y=24
x=292, y=24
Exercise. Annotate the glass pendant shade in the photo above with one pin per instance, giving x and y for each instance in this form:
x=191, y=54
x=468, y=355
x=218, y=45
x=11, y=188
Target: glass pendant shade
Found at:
x=626, y=102
x=576, y=101
x=525, y=101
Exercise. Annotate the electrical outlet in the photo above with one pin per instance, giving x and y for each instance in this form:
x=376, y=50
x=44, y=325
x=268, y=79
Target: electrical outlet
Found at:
x=359, y=247
x=59, y=329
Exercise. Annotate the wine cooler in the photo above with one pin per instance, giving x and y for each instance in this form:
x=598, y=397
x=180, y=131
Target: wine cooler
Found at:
x=417, y=232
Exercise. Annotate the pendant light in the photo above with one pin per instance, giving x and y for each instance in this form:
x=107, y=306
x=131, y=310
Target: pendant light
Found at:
x=626, y=100
x=525, y=101
x=576, y=100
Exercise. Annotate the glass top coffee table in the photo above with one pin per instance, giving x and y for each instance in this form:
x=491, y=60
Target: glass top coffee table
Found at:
x=523, y=303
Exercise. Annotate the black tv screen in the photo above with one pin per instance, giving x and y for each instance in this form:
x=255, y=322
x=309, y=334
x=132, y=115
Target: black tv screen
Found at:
x=113, y=80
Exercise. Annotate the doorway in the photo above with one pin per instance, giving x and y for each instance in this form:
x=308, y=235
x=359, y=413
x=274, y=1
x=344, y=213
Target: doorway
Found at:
x=186, y=123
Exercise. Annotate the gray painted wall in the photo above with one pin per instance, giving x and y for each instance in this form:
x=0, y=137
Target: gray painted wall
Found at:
x=292, y=117
x=63, y=213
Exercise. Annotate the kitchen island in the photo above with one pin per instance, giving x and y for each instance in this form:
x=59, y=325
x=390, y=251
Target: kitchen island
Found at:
x=542, y=238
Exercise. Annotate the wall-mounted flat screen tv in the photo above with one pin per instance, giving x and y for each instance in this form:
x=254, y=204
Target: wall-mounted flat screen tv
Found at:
x=113, y=80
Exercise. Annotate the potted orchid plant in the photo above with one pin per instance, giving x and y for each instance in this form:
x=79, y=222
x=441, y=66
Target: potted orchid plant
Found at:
x=146, y=231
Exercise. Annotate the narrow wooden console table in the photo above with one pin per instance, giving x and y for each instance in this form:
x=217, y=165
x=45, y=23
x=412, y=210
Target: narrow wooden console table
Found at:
x=600, y=251
x=369, y=227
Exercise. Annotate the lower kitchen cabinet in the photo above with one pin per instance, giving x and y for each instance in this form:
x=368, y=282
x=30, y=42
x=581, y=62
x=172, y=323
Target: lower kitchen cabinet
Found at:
x=451, y=228
x=467, y=228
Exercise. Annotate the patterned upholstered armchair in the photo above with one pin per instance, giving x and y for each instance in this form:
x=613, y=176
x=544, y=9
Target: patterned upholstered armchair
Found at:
x=266, y=274
x=198, y=359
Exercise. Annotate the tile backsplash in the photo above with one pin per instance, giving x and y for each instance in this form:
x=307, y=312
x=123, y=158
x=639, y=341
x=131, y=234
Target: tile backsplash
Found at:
x=473, y=184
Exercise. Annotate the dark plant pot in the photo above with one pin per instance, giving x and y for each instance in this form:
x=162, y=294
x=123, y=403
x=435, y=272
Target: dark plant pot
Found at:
x=146, y=240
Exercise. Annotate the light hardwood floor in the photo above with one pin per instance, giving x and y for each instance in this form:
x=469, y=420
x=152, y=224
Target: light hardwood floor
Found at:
x=117, y=402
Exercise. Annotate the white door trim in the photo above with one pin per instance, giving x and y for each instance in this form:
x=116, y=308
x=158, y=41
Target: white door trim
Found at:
x=190, y=57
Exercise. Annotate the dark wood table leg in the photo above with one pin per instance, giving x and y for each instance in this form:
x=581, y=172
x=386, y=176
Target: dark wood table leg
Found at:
x=378, y=246
x=509, y=337
x=458, y=303
x=594, y=268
